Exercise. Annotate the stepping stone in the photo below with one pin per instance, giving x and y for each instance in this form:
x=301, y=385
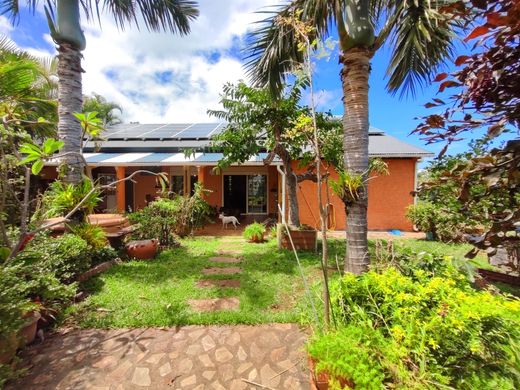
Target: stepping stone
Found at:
x=221, y=259
x=204, y=305
x=230, y=252
x=225, y=283
x=221, y=271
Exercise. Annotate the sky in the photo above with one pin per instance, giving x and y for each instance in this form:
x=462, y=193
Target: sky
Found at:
x=160, y=77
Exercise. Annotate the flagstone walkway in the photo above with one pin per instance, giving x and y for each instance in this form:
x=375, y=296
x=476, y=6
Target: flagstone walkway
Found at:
x=192, y=357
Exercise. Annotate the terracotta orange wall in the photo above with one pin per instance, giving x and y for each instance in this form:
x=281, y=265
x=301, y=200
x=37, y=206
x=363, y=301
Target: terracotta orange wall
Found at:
x=388, y=198
x=214, y=183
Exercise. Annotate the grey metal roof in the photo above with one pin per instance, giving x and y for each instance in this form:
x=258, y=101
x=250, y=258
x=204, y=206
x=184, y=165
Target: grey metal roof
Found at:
x=175, y=137
x=384, y=145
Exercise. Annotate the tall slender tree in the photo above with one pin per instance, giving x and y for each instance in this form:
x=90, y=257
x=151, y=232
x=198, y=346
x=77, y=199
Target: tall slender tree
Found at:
x=420, y=38
x=64, y=18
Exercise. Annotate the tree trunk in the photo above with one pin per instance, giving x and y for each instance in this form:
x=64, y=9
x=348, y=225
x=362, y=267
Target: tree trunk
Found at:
x=292, y=186
x=354, y=77
x=70, y=101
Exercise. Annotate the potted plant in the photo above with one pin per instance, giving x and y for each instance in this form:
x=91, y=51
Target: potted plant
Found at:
x=254, y=232
x=142, y=249
x=303, y=237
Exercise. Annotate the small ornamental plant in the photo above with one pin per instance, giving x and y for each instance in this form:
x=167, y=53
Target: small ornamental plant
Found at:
x=254, y=232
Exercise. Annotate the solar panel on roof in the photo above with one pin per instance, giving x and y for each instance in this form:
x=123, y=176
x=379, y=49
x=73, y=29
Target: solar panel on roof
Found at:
x=178, y=131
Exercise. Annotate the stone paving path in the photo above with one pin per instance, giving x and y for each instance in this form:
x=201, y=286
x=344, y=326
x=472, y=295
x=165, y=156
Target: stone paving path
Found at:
x=230, y=303
x=191, y=357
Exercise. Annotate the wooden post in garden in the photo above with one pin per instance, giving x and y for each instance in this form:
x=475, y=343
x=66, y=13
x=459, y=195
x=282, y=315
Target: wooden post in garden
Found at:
x=120, y=189
x=201, y=174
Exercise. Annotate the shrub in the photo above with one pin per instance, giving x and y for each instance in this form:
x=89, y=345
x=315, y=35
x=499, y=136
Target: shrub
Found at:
x=165, y=218
x=444, y=225
x=61, y=198
x=65, y=256
x=13, y=298
x=420, y=332
x=103, y=255
x=254, y=232
x=94, y=235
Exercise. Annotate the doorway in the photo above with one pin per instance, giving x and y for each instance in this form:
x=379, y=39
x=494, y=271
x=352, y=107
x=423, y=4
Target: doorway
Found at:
x=235, y=194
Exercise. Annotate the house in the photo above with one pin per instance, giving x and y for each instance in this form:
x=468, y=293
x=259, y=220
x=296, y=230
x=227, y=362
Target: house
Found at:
x=253, y=190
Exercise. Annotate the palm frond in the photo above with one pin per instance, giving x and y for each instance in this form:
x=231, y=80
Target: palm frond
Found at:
x=167, y=15
x=421, y=39
x=273, y=51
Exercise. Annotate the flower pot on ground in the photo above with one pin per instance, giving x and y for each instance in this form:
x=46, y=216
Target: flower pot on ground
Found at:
x=303, y=239
x=320, y=379
x=27, y=332
x=254, y=232
x=142, y=249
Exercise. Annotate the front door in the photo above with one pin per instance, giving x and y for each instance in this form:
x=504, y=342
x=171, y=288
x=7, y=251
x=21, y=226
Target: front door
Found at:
x=235, y=194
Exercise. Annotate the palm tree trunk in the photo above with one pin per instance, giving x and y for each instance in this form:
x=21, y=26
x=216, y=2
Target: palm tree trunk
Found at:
x=354, y=77
x=70, y=100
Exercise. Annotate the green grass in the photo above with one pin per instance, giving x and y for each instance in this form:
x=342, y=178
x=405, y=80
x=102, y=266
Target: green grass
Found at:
x=155, y=292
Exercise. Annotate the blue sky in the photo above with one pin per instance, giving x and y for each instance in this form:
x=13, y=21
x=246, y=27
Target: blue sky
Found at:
x=160, y=78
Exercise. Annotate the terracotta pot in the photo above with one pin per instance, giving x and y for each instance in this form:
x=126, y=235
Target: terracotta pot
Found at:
x=144, y=249
x=8, y=346
x=257, y=239
x=302, y=240
x=27, y=332
x=320, y=380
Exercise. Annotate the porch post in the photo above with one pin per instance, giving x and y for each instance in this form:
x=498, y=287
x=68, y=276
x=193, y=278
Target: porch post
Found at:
x=201, y=173
x=120, y=189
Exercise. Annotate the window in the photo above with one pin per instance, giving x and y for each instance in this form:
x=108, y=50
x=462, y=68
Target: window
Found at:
x=257, y=194
x=177, y=184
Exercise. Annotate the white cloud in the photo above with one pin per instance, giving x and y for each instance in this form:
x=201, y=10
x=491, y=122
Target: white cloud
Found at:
x=5, y=26
x=125, y=66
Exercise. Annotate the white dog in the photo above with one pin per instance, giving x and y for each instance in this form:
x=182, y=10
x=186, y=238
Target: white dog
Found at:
x=228, y=220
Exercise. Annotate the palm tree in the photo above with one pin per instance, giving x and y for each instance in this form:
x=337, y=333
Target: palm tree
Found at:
x=172, y=15
x=104, y=108
x=420, y=37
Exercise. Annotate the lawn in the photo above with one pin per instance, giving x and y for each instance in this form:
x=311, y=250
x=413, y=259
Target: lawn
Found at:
x=155, y=293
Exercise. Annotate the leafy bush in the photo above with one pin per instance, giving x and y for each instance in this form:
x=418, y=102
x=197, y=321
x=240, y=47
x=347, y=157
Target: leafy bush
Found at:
x=94, y=235
x=13, y=298
x=165, y=218
x=61, y=198
x=65, y=256
x=254, y=232
x=420, y=332
x=104, y=254
x=407, y=261
x=444, y=225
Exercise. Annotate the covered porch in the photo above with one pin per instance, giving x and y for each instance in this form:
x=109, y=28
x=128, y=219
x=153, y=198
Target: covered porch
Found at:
x=250, y=191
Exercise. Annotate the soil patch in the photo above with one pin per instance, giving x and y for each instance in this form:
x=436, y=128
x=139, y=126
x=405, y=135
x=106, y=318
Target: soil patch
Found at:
x=225, y=283
x=221, y=270
x=231, y=303
x=221, y=259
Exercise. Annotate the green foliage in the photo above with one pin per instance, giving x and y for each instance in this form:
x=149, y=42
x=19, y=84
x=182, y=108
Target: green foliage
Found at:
x=91, y=125
x=104, y=109
x=13, y=298
x=94, y=235
x=441, y=223
x=164, y=218
x=427, y=330
x=65, y=256
x=61, y=198
x=104, y=254
x=37, y=155
x=254, y=232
